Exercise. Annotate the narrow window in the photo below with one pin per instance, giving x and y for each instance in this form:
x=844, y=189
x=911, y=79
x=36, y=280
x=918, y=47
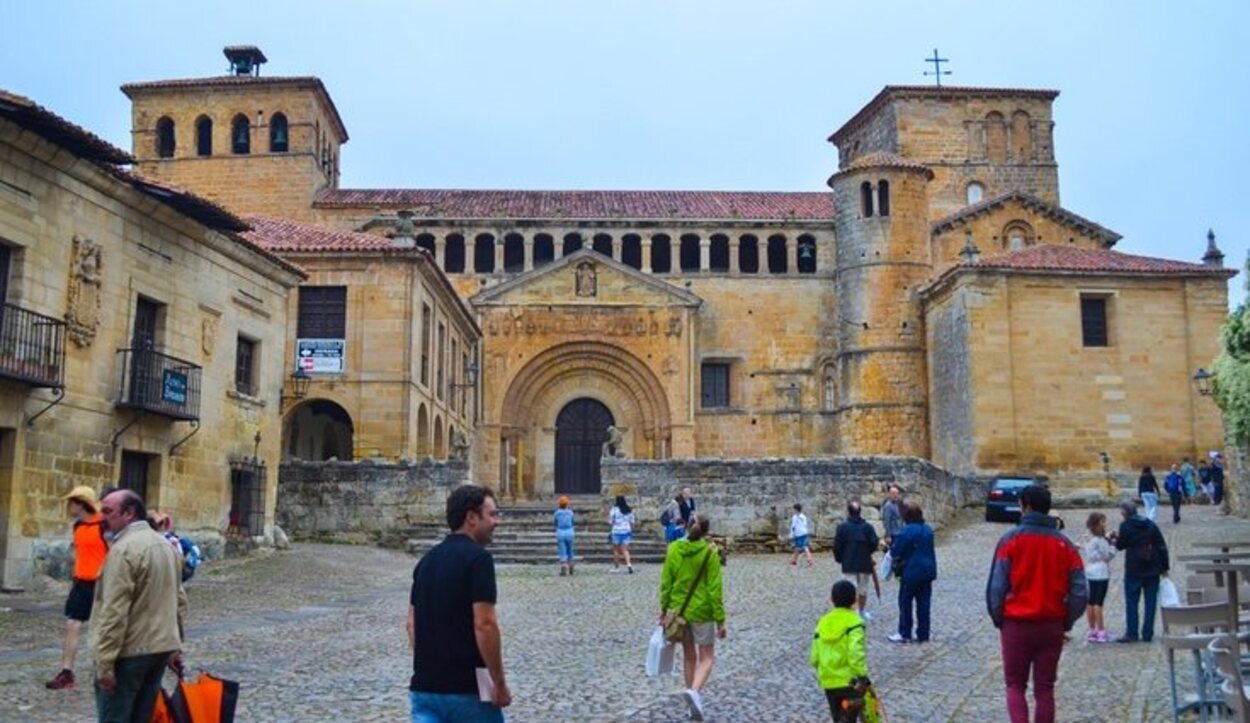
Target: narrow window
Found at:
x=777, y=248
x=689, y=254
x=718, y=254
x=453, y=254
x=6, y=256
x=544, y=249
x=203, y=136
x=1094, y=320
x=865, y=199
x=426, y=241
x=440, y=363
x=603, y=244
x=661, y=254
x=427, y=333
x=484, y=253
x=513, y=253
x=136, y=471
x=807, y=254
x=883, y=198
x=322, y=312
x=279, y=140
x=165, y=137
x=245, y=366
x=715, y=385
x=749, y=254
x=572, y=243
x=240, y=136
x=631, y=250
x=975, y=192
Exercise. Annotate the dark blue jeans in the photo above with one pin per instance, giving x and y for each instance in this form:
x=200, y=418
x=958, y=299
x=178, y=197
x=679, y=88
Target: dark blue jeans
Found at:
x=138, y=684
x=452, y=708
x=921, y=594
x=1134, y=586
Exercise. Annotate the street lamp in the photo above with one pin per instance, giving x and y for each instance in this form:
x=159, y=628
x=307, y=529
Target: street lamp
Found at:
x=470, y=379
x=1203, y=380
x=300, y=380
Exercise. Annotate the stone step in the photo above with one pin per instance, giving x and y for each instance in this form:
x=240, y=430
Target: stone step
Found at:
x=419, y=545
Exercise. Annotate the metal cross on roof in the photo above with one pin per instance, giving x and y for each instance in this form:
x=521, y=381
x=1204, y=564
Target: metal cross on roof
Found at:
x=937, y=71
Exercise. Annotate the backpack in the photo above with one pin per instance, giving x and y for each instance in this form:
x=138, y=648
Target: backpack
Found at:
x=1172, y=483
x=666, y=517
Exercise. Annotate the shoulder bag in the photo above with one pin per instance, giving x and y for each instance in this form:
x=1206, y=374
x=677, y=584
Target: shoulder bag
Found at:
x=675, y=628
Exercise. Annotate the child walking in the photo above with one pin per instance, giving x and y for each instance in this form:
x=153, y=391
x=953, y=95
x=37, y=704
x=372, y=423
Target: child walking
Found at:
x=1097, y=552
x=839, y=653
x=799, y=536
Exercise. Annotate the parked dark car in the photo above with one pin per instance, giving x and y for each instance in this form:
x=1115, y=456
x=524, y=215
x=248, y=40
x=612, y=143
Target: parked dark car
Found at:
x=1002, y=502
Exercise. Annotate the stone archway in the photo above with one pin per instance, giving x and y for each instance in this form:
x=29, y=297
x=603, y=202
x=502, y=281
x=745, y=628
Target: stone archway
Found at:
x=318, y=430
x=611, y=376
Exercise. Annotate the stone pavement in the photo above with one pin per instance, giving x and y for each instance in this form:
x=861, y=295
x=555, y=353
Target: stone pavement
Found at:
x=316, y=634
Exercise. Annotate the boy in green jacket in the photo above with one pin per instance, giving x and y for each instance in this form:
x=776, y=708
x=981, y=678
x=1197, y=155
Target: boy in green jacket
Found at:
x=840, y=655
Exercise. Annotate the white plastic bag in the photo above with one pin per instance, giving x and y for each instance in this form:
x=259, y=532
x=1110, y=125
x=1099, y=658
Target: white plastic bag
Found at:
x=885, y=568
x=1169, y=596
x=659, y=654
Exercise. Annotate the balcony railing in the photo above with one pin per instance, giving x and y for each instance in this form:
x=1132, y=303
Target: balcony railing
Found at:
x=32, y=347
x=160, y=384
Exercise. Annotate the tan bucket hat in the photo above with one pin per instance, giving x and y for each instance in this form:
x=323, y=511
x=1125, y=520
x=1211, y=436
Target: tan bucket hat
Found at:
x=84, y=495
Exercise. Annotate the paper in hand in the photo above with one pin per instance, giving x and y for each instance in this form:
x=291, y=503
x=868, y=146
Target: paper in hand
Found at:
x=485, y=686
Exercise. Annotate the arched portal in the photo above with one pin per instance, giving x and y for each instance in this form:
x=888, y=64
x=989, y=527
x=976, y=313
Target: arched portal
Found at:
x=318, y=430
x=581, y=429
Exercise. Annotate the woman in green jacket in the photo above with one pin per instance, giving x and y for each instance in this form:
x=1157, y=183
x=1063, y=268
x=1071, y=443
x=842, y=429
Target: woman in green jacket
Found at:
x=692, y=579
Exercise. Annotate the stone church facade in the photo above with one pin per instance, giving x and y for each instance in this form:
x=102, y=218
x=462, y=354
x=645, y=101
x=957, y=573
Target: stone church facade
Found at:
x=937, y=301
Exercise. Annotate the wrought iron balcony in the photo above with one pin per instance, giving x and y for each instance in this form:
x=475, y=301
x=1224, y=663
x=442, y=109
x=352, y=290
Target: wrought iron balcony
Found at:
x=32, y=347
x=160, y=384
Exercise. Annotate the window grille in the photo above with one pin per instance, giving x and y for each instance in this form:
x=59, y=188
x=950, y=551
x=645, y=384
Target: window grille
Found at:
x=322, y=312
x=1094, y=320
x=715, y=385
x=247, y=497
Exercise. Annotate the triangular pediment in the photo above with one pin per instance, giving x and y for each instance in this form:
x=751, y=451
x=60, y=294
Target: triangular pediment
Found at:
x=1026, y=205
x=585, y=278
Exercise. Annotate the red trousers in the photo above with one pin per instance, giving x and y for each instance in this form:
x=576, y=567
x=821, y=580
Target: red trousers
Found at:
x=1037, y=646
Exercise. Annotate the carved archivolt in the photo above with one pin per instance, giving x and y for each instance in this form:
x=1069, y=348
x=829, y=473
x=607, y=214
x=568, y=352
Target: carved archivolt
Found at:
x=83, y=315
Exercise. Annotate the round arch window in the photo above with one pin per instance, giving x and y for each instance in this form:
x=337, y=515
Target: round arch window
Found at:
x=975, y=192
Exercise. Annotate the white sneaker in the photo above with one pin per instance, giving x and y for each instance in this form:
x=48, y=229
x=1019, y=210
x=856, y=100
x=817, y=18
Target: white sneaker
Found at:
x=615, y=569
x=695, y=701
x=896, y=638
x=865, y=616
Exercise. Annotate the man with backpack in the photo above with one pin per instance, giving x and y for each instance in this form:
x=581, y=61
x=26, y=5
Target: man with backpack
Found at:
x=853, y=544
x=1145, y=560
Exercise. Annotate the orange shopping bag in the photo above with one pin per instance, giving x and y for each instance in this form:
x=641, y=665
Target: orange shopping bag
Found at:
x=208, y=700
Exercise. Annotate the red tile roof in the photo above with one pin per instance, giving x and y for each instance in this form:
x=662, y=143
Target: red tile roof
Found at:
x=1056, y=213
x=442, y=203
x=284, y=235
x=70, y=136
x=945, y=92
x=883, y=159
x=231, y=81
x=1062, y=257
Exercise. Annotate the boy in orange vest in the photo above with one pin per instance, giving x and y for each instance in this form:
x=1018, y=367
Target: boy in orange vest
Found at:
x=89, y=552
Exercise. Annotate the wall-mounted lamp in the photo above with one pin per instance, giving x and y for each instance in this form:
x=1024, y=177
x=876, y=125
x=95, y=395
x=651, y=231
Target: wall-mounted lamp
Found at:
x=1203, y=380
x=300, y=380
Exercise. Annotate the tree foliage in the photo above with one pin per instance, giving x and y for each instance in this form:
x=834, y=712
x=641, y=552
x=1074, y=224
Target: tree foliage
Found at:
x=1232, y=372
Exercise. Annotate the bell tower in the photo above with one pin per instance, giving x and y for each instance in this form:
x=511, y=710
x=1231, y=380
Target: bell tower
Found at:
x=255, y=144
x=882, y=254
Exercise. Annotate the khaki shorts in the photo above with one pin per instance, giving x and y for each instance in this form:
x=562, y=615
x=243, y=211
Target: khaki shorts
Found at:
x=701, y=633
x=861, y=579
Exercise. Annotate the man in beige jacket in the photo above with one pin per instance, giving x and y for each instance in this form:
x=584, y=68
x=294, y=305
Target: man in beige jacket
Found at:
x=139, y=610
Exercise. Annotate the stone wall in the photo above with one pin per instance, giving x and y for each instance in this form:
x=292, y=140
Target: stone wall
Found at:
x=752, y=498
x=1236, y=481
x=361, y=501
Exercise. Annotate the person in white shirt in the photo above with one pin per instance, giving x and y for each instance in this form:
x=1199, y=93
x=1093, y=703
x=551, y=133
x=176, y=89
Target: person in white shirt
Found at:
x=622, y=519
x=1098, y=552
x=799, y=536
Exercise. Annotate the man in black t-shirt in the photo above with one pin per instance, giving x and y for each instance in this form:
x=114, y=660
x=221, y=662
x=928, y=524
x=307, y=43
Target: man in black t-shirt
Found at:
x=452, y=628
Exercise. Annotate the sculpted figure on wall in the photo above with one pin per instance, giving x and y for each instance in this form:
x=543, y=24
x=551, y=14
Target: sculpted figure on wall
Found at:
x=459, y=445
x=586, y=281
x=613, y=447
x=83, y=315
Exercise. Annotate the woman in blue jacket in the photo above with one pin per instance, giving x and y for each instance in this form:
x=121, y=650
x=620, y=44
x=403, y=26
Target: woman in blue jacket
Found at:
x=913, y=547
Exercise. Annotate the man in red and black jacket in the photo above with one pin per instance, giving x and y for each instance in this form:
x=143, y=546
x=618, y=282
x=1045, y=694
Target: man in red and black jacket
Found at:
x=1036, y=591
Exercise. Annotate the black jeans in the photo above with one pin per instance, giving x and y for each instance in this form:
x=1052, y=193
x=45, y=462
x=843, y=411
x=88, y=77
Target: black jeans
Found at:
x=138, y=684
x=1177, y=499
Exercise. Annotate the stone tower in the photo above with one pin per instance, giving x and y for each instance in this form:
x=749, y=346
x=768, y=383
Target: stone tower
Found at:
x=979, y=142
x=883, y=254
x=255, y=144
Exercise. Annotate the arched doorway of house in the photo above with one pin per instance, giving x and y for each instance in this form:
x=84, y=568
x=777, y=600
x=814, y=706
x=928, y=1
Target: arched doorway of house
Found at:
x=317, y=430
x=423, y=432
x=581, y=429
x=440, y=451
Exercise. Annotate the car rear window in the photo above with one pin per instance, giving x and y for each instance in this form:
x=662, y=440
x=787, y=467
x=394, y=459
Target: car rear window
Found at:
x=1012, y=483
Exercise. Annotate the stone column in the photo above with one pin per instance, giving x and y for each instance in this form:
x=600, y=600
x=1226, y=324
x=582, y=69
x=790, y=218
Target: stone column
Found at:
x=440, y=251
x=557, y=247
x=733, y=254
x=499, y=246
x=616, y=247
x=705, y=255
x=792, y=250
x=646, y=255
x=528, y=244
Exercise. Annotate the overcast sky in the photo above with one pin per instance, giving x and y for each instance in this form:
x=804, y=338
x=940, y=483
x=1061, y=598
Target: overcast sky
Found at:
x=1151, y=135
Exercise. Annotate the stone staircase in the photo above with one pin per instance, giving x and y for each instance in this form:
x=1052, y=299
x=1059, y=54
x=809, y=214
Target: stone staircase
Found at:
x=526, y=536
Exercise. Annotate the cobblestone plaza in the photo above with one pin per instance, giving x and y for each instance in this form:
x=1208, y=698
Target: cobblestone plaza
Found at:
x=316, y=634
